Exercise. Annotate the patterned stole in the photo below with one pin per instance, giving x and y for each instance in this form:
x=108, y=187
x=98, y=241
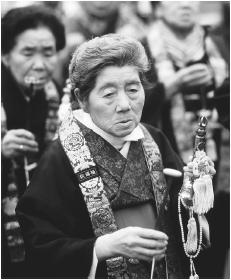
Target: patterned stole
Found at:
x=95, y=197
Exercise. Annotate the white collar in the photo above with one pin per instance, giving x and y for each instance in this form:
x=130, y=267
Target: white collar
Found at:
x=117, y=142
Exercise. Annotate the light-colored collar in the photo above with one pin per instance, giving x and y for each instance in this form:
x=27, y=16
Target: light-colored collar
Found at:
x=120, y=143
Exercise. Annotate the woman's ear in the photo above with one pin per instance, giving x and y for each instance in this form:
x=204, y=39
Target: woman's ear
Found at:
x=76, y=94
x=82, y=103
x=5, y=60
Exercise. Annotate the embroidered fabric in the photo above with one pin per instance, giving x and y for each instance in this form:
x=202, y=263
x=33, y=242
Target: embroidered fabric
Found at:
x=95, y=197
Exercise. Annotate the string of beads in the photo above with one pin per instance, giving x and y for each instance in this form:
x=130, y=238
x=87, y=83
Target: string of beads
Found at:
x=190, y=256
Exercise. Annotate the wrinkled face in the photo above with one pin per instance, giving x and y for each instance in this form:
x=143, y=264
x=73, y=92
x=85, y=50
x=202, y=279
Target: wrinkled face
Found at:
x=182, y=14
x=116, y=102
x=33, y=56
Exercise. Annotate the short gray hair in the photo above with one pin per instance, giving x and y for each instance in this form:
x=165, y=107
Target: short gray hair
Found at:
x=108, y=50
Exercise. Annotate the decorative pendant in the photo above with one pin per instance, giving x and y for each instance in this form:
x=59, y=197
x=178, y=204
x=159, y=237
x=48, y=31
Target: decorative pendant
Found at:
x=193, y=275
x=186, y=193
x=203, y=197
x=192, y=241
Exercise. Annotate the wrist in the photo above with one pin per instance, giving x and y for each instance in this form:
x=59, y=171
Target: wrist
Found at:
x=104, y=247
x=178, y=81
x=173, y=85
x=3, y=153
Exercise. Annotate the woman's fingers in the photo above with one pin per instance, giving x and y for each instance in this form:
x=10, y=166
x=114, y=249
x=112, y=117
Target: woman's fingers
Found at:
x=212, y=170
x=13, y=146
x=23, y=133
x=153, y=244
x=159, y=257
x=147, y=254
x=147, y=243
x=27, y=145
x=151, y=233
x=21, y=144
x=132, y=242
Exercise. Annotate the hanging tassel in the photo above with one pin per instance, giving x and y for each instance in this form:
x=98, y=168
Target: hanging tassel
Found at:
x=199, y=189
x=209, y=192
x=191, y=243
x=203, y=195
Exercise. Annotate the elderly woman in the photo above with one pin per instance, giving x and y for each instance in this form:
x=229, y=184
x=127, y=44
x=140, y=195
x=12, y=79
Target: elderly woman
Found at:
x=31, y=37
x=98, y=205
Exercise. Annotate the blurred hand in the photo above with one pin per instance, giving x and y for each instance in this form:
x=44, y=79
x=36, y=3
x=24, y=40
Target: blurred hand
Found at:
x=194, y=75
x=132, y=242
x=18, y=142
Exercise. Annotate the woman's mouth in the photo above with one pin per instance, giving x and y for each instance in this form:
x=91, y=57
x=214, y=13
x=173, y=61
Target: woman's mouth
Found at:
x=125, y=121
x=35, y=80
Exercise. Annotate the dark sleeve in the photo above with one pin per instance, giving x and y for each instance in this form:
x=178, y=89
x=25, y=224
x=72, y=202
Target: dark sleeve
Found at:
x=57, y=231
x=172, y=160
x=154, y=92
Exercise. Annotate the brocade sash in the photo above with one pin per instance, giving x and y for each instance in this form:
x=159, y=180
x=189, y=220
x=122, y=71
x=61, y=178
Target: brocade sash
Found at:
x=92, y=187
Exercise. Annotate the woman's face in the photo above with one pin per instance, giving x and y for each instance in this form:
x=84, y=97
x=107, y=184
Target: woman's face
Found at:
x=33, y=56
x=116, y=102
x=101, y=9
x=182, y=14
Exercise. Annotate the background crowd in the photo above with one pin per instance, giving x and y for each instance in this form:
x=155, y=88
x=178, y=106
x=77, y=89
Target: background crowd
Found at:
x=188, y=47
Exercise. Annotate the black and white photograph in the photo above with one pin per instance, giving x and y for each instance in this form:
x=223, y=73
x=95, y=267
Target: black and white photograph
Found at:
x=115, y=139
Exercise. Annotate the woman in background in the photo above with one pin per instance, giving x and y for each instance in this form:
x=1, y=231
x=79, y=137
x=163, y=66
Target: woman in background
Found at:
x=31, y=37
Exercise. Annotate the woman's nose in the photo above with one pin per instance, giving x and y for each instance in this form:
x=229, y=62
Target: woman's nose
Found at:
x=39, y=63
x=123, y=102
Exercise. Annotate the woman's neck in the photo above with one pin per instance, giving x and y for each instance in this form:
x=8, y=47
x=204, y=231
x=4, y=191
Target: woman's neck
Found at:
x=117, y=142
x=180, y=32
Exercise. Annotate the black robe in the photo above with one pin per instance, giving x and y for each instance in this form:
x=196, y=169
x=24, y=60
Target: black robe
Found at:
x=21, y=114
x=33, y=115
x=53, y=216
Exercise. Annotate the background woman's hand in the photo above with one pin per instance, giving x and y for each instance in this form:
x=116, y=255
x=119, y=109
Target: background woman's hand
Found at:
x=132, y=242
x=18, y=142
x=195, y=75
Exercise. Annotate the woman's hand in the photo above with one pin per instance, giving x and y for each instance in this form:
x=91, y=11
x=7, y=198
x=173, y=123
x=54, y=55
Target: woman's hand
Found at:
x=18, y=142
x=195, y=75
x=132, y=242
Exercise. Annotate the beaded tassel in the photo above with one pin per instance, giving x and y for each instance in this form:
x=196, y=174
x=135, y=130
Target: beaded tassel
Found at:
x=203, y=195
x=196, y=196
x=193, y=255
x=191, y=243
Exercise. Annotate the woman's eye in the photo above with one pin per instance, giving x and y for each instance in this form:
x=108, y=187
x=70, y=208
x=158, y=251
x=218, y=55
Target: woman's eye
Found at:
x=108, y=93
x=49, y=53
x=27, y=53
x=133, y=90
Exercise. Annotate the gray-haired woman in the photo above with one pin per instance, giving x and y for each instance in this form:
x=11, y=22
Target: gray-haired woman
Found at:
x=98, y=205
x=31, y=38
